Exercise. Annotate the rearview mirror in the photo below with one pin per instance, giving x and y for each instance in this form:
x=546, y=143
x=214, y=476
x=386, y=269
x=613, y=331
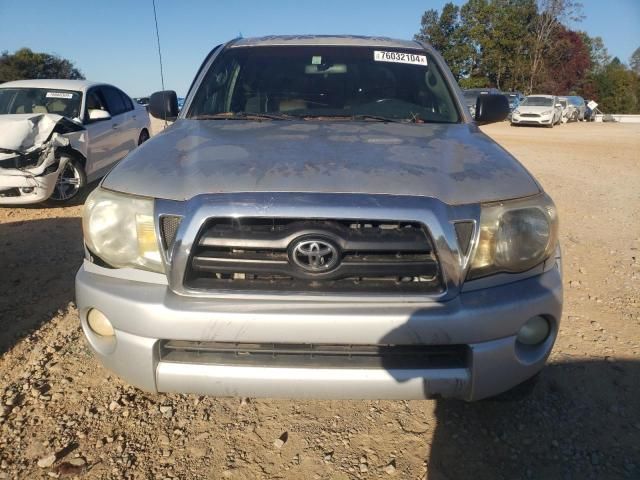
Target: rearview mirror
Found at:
x=491, y=108
x=164, y=105
x=97, y=114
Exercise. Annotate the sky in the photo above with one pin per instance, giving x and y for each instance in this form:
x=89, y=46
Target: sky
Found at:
x=114, y=41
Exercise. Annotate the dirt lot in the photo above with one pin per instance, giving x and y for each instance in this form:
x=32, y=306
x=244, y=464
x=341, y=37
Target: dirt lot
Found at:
x=62, y=414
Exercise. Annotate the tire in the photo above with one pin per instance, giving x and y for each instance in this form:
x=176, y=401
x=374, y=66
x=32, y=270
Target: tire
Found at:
x=144, y=136
x=551, y=124
x=70, y=183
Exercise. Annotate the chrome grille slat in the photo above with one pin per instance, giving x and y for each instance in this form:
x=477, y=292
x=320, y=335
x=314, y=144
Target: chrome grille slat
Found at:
x=252, y=254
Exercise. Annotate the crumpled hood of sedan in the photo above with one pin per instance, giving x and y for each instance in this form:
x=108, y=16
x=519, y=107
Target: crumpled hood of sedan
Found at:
x=27, y=132
x=455, y=163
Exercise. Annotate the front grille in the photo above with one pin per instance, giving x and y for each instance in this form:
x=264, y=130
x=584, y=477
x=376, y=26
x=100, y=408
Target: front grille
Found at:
x=529, y=115
x=370, y=256
x=169, y=228
x=315, y=355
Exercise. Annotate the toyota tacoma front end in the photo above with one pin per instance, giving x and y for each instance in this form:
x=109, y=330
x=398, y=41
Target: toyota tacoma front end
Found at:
x=324, y=219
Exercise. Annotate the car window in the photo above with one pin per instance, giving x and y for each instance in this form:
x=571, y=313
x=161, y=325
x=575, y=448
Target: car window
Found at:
x=323, y=82
x=537, y=102
x=95, y=101
x=40, y=100
x=128, y=104
x=115, y=102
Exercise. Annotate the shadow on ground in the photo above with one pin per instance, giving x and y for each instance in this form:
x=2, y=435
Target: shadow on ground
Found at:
x=582, y=421
x=38, y=262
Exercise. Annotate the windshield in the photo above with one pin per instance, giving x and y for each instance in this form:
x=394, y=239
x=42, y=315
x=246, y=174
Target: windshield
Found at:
x=40, y=100
x=321, y=82
x=537, y=102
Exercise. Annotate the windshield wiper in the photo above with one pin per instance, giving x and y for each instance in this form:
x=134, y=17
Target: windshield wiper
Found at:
x=242, y=116
x=380, y=118
x=376, y=118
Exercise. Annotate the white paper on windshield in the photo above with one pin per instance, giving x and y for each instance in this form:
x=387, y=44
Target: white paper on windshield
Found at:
x=59, y=95
x=399, y=57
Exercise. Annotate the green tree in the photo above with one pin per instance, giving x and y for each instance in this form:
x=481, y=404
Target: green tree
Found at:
x=617, y=88
x=499, y=34
x=443, y=32
x=26, y=64
x=634, y=61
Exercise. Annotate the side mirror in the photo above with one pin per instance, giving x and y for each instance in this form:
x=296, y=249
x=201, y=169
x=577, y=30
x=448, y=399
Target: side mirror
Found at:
x=164, y=105
x=96, y=114
x=491, y=108
x=559, y=105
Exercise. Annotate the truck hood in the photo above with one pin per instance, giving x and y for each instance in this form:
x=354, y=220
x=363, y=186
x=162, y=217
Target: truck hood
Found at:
x=457, y=163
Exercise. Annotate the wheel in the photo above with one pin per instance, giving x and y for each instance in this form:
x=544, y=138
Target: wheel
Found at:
x=71, y=181
x=144, y=136
x=551, y=124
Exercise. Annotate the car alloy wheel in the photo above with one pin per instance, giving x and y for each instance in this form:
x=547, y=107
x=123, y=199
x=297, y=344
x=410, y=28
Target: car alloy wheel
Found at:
x=68, y=183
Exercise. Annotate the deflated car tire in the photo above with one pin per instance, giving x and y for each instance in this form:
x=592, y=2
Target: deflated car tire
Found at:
x=71, y=182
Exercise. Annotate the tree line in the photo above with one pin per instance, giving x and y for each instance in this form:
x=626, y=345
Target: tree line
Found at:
x=527, y=46
x=25, y=64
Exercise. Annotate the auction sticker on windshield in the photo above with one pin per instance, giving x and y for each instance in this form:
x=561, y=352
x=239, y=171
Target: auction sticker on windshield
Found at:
x=399, y=57
x=59, y=95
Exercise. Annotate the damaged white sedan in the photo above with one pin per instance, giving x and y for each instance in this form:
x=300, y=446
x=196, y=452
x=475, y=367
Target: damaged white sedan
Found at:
x=58, y=135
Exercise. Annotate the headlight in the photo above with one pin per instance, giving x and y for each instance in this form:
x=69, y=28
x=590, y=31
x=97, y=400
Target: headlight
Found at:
x=120, y=230
x=547, y=112
x=516, y=112
x=515, y=236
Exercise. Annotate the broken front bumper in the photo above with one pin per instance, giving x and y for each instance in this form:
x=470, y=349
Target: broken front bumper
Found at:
x=484, y=323
x=20, y=187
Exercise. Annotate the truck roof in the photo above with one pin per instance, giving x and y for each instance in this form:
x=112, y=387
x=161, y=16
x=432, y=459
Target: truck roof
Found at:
x=328, y=40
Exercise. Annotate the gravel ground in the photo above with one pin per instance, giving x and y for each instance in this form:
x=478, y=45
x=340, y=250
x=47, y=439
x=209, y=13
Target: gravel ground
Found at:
x=63, y=415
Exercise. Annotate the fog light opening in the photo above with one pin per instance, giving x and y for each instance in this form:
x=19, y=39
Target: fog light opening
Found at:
x=99, y=323
x=534, y=331
x=27, y=190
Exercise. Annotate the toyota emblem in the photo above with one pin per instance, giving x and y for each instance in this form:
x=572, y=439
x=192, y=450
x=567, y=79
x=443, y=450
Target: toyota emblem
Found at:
x=314, y=255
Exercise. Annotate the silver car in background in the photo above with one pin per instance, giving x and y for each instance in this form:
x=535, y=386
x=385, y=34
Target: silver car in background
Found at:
x=538, y=110
x=323, y=219
x=58, y=135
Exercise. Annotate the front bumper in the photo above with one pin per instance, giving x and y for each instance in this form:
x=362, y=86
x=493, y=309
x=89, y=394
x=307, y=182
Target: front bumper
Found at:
x=486, y=321
x=519, y=119
x=18, y=187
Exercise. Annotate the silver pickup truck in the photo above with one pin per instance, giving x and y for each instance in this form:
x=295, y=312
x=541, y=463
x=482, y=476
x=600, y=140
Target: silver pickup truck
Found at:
x=323, y=219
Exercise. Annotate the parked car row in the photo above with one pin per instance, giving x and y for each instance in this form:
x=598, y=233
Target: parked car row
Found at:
x=58, y=135
x=547, y=110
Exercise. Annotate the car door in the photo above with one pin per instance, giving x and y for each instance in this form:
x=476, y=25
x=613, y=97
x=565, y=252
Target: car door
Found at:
x=129, y=122
x=119, y=142
x=102, y=135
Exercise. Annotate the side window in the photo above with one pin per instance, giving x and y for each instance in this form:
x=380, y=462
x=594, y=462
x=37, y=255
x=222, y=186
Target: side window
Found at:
x=95, y=101
x=128, y=104
x=115, y=102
